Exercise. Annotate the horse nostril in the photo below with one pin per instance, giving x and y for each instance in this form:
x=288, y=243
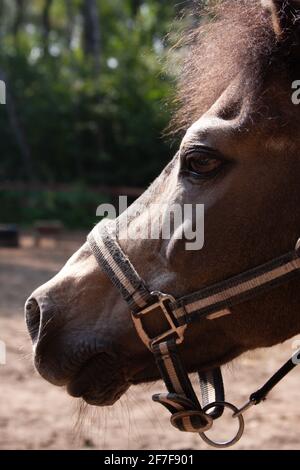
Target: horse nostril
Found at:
x=33, y=318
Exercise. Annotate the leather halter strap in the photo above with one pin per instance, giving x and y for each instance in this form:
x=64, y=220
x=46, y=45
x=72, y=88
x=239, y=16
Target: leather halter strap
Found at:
x=213, y=302
x=210, y=303
x=181, y=400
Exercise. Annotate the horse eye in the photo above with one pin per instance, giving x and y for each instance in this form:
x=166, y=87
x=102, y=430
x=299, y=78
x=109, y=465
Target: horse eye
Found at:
x=202, y=165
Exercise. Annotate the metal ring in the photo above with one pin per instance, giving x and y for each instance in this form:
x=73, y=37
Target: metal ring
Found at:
x=237, y=437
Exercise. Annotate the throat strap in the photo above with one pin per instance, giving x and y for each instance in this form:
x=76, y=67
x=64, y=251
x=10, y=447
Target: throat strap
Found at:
x=181, y=399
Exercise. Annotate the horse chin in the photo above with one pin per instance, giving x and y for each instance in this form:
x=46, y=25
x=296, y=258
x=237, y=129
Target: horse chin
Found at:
x=98, y=383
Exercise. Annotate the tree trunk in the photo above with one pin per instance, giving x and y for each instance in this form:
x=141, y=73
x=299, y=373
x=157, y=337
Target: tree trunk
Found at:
x=135, y=5
x=91, y=32
x=19, y=18
x=18, y=131
x=46, y=25
x=70, y=21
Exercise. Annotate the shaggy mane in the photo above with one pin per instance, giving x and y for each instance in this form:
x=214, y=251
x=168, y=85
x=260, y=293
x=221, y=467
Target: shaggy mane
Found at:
x=239, y=41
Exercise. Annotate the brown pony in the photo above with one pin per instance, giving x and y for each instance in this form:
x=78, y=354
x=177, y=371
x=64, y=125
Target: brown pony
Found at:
x=240, y=158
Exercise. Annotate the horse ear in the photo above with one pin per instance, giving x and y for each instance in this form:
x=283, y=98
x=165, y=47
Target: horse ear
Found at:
x=285, y=16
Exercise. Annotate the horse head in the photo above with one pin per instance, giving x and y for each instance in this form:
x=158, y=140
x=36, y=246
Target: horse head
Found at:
x=239, y=160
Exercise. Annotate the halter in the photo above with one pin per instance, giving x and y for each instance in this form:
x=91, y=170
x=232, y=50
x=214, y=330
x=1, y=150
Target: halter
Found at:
x=187, y=412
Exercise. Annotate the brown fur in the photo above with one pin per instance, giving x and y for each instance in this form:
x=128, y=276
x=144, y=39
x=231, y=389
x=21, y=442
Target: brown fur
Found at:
x=240, y=41
x=81, y=327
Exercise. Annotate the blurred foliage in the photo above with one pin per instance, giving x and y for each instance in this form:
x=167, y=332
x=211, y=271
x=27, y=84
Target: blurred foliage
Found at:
x=87, y=94
x=102, y=127
x=76, y=208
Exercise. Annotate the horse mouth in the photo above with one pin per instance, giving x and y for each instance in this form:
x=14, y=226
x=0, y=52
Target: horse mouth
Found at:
x=98, y=382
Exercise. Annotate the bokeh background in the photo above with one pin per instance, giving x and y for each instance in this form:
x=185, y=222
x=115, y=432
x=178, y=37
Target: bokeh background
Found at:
x=89, y=97
x=90, y=93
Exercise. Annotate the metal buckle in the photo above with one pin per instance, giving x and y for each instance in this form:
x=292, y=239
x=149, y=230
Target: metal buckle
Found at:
x=162, y=303
x=201, y=422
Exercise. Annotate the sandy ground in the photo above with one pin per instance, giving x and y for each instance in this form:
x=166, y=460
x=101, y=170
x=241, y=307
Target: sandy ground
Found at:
x=36, y=415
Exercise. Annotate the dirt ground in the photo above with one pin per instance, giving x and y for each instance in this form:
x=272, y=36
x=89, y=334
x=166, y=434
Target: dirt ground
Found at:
x=36, y=415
